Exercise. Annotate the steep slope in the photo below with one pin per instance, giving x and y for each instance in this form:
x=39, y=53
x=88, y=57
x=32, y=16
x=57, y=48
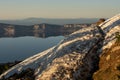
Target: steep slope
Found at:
x=109, y=64
x=85, y=45
x=110, y=27
x=83, y=68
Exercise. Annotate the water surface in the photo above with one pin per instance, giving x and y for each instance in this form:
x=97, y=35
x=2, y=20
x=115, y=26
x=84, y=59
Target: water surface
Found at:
x=18, y=42
x=19, y=48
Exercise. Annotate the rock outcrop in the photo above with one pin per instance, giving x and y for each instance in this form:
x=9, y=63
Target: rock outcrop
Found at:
x=109, y=65
x=74, y=58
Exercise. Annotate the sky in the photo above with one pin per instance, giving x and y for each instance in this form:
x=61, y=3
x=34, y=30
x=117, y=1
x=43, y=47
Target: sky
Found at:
x=20, y=9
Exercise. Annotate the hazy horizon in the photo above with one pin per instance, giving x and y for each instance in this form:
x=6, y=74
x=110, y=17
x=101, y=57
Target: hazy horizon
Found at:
x=49, y=18
x=21, y=9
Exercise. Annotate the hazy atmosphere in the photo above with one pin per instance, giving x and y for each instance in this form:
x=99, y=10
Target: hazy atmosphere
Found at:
x=20, y=9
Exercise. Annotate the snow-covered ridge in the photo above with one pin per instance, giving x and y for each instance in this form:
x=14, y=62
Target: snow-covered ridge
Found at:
x=80, y=42
x=110, y=37
x=110, y=22
x=110, y=27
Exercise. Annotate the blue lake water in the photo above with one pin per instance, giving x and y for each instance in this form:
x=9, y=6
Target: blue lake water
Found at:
x=20, y=48
x=18, y=42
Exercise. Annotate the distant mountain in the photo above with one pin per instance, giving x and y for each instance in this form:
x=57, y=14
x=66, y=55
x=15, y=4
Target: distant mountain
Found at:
x=31, y=21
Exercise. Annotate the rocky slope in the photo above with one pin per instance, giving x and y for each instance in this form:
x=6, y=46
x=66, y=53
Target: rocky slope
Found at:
x=109, y=64
x=74, y=58
x=88, y=64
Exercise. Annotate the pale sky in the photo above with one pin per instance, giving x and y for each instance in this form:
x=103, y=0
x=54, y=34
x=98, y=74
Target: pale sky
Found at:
x=19, y=9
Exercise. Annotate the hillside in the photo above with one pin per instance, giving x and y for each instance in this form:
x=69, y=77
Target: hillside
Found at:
x=109, y=64
x=74, y=58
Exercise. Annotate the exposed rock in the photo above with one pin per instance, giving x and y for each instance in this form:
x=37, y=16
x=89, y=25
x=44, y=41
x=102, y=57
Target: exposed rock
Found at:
x=100, y=21
x=109, y=69
x=110, y=58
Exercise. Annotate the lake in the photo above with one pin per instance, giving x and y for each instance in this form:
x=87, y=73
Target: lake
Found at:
x=18, y=42
x=20, y=48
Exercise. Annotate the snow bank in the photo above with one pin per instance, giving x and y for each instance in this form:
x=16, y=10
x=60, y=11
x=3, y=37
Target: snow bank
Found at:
x=110, y=27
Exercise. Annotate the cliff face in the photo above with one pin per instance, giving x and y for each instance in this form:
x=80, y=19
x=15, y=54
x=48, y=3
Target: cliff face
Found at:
x=109, y=65
x=74, y=58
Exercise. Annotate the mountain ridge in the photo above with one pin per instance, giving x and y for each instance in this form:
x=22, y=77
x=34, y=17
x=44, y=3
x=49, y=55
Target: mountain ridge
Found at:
x=32, y=21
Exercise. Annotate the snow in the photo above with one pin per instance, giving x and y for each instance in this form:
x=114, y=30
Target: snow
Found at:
x=110, y=27
x=80, y=41
x=110, y=37
x=67, y=62
x=27, y=63
x=110, y=21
